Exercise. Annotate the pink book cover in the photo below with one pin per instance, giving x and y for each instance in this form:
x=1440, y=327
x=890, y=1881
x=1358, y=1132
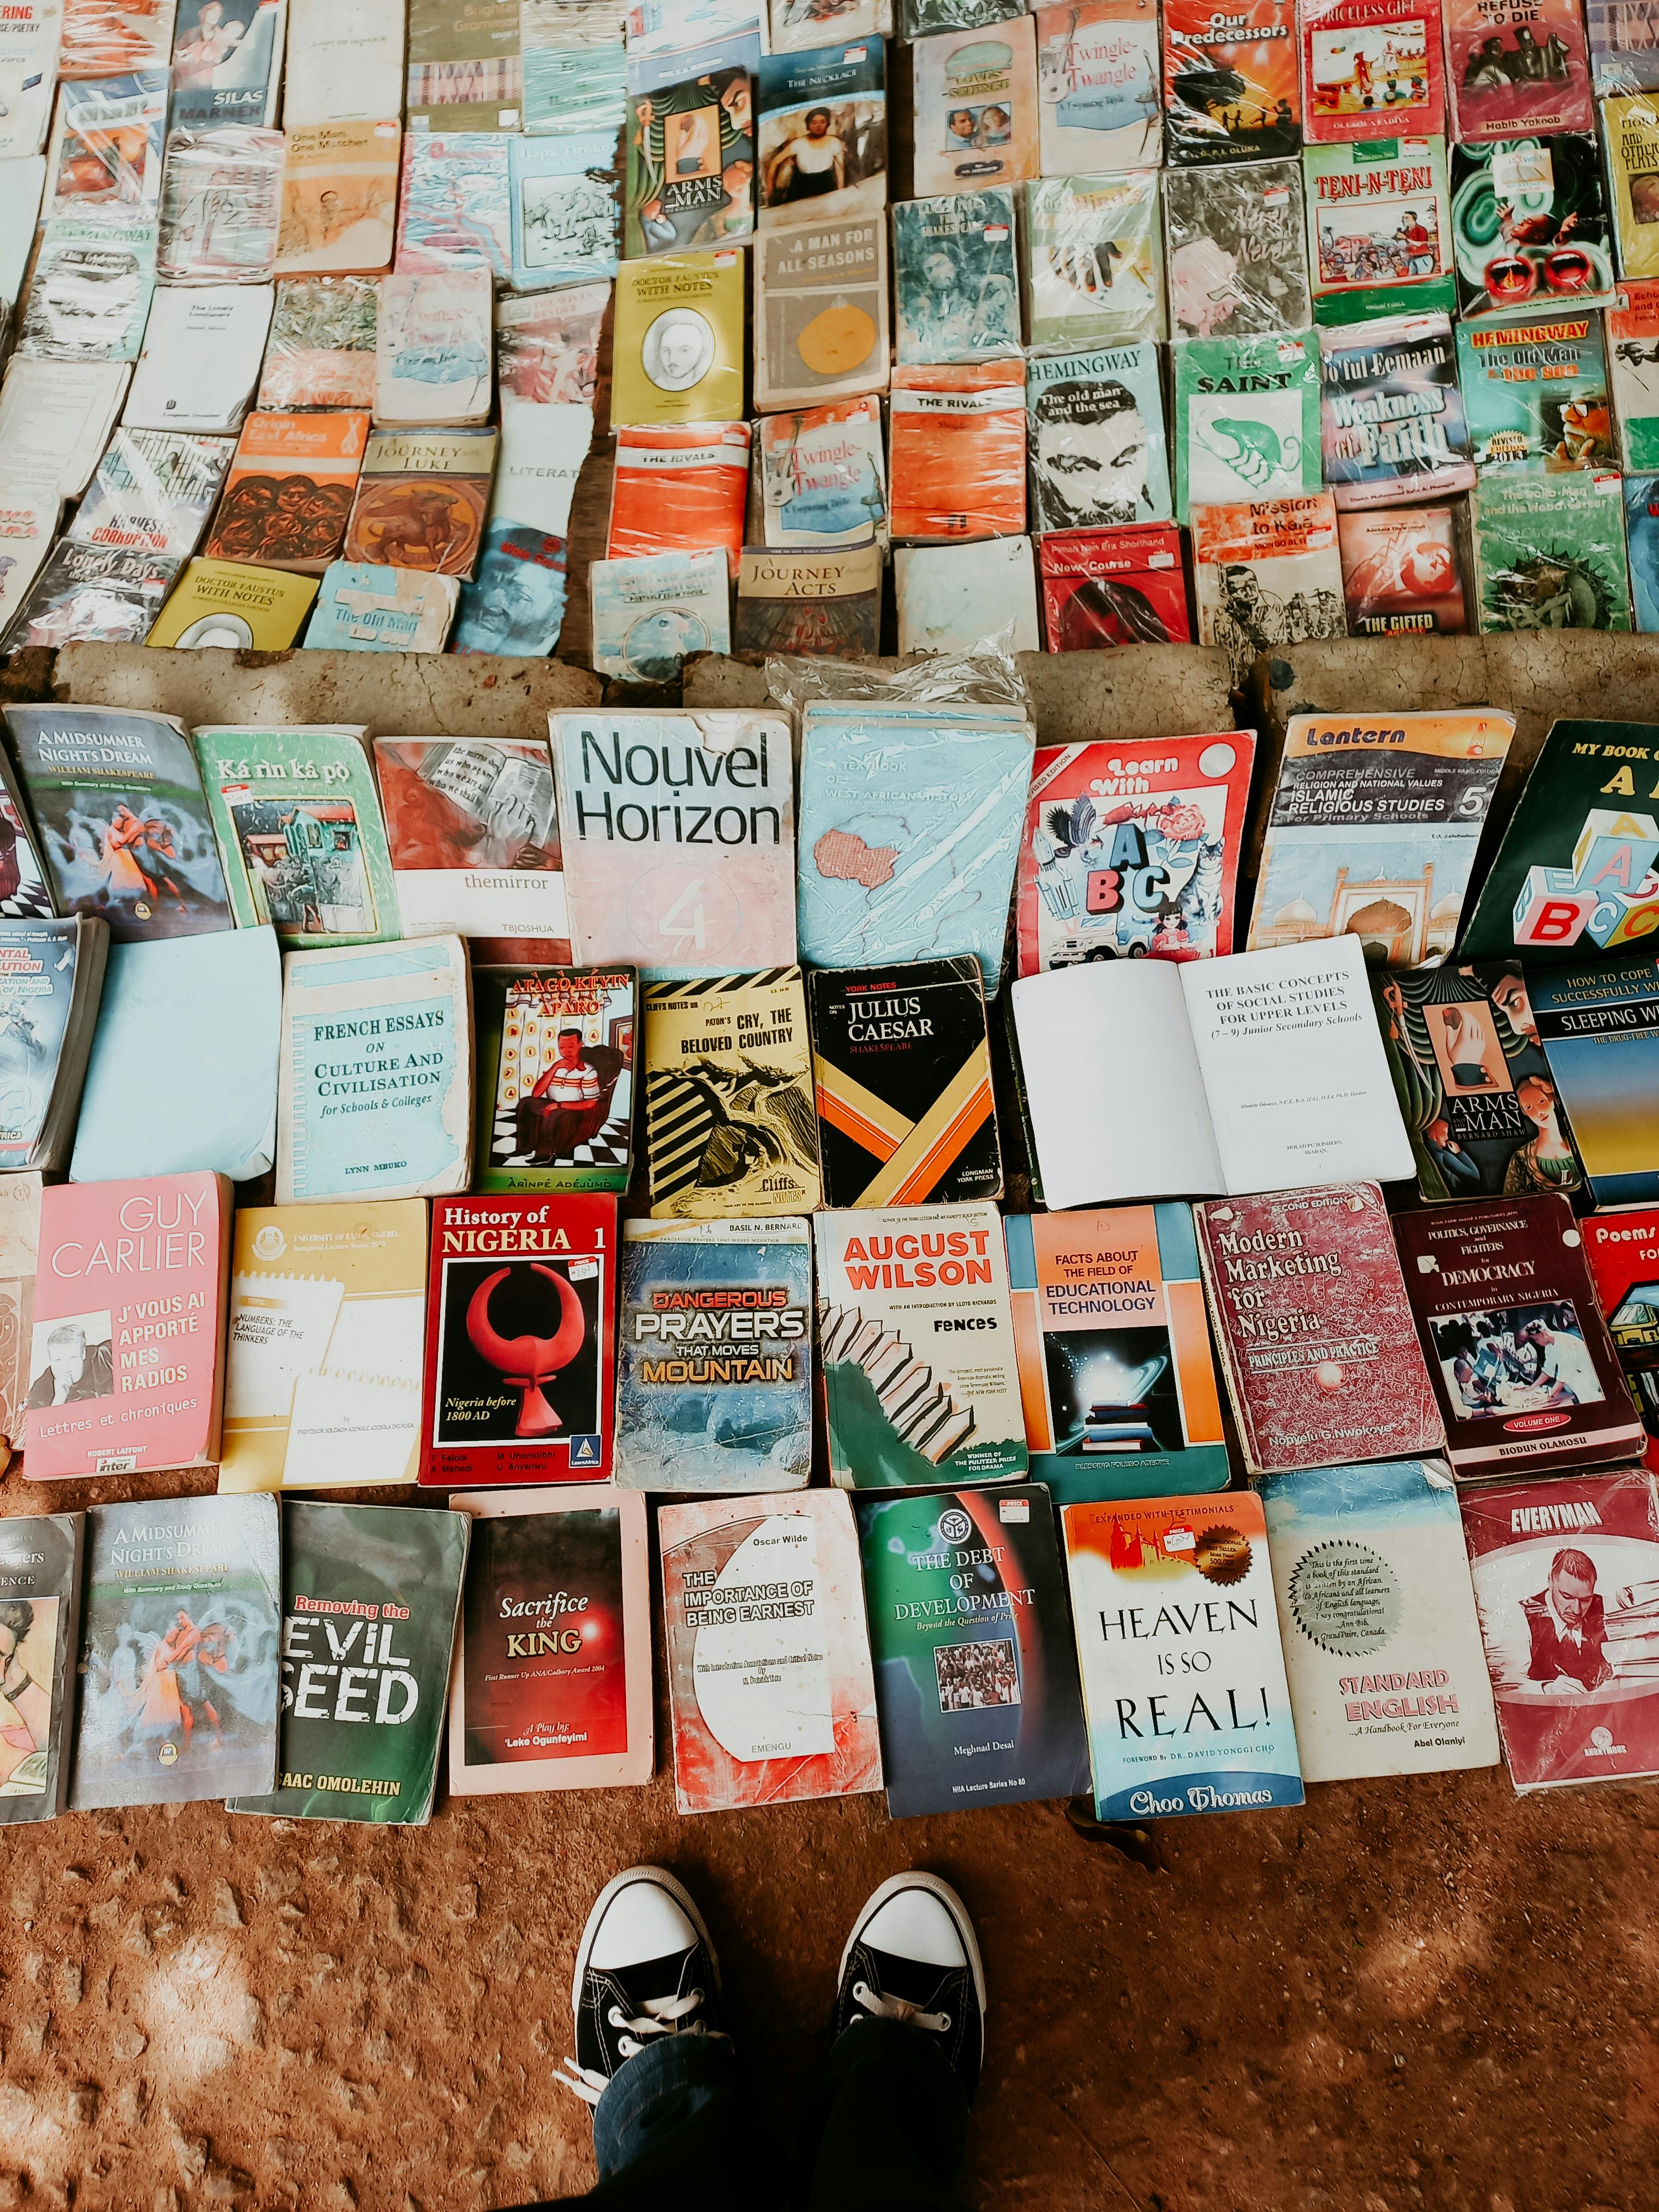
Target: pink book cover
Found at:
x=1317, y=1342
x=126, y=1362
x=552, y=1679
x=1517, y=67
x=770, y=1678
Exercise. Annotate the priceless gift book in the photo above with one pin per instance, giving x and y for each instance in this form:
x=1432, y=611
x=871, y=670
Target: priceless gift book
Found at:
x=1371, y=66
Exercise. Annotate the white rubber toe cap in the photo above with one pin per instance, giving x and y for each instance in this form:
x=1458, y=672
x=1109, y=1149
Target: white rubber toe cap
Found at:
x=914, y=1923
x=642, y=1918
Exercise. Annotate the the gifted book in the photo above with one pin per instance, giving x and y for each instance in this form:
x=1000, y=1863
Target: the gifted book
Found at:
x=556, y=1075
x=730, y=1124
x=1404, y=571
x=471, y=836
x=40, y=1571
x=821, y=311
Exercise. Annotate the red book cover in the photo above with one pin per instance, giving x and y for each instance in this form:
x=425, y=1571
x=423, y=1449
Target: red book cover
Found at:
x=1515, y=68
x=1623, y=1251
x=1315, y=1328
x=679, y=489
x=1108, y=587
x=126, y=1364
x=1566, y=1581
x=520, y=1340
x=1403, y=572
x=1522, y=1363
x=1373, y=68
x=1232, y=91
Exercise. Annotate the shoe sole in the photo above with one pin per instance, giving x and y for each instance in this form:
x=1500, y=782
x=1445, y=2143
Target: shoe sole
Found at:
x=660, y=1877
x=953, y=1905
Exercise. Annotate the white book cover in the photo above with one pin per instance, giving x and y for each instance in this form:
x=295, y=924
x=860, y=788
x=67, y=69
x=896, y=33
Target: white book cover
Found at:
x=474, y=845
x=56, y=418
x=30, y=33
x=200, y=362
x=542, y=451
x=649, y=613
x=23, y=187
x=950, y=598
x=345, y=62
x=434, y=349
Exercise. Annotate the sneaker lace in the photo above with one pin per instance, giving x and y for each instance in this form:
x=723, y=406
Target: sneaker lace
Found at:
x=886, y=2008
x=657, y=2016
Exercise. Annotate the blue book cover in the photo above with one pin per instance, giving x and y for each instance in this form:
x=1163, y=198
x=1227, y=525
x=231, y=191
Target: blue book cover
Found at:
x=363, y=607
x=38, y=964
x=204, y=1014
x=1535, y=390
x=566, y=224
x=1599, y=1026
x=1642, y=544
x=1099, y=457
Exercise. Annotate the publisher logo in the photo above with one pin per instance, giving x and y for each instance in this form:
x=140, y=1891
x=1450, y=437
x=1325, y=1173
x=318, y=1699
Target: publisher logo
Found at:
x=954, y=1525
x=584, y=1451
x=269, y=1242
x=1602, y=1745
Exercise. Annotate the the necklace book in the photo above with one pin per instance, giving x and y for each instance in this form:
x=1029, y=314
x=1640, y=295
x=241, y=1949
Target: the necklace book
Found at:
x=839, y=168
x=473, y=843
x=557, y=1076
x=728, y=1093
x=40, y=1572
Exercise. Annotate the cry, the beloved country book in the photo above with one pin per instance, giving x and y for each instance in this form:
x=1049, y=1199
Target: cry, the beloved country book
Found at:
x=40, y=1568
x=557, y=1076
x=728, y=1097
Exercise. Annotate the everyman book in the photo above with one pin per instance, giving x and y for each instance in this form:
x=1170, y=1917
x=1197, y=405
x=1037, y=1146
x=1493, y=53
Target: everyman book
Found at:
x=556, y=1076
x=40, y=1569
x=730, y=1124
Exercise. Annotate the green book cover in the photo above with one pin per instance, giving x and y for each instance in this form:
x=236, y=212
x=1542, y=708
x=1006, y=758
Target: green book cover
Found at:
x=1247, y=420
x=1379, y=230
x=1093, y=260
x=1549, y=552
x=370, y=1595
x=301, y=833
x=555, y=1091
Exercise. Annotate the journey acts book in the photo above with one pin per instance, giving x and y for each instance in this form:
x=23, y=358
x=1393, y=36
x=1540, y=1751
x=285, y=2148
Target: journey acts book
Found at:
x=40, y=1568
x=1183, y=1674
x=769, y=1681
x=976, y=1679
x=728, y=1097
x=370, y=1598
x=557, y=1077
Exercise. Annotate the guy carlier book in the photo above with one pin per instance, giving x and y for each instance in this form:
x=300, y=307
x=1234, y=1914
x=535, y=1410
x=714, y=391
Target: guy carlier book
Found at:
x=1114, y=1365
x=1183, y=1674
x=1370, y=66
x=1391, y=413
x=917, y=1341
x=1098, y=87
x=728, y=1073
x=1521, y=1362
x=521, y=1372
x=370, y=1598
x=40, y=1572
x=552, y=1687
x=1599, y=1028
x=1382, y=1645
x=1566, y=1580
x=473, y=846
x=821, y=311
x=769, y=1681
x=1314, y=1328
x=1623, y=1252
x=555, y=1081
x=976, y=1669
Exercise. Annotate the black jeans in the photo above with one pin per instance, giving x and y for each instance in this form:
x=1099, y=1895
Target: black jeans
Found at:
x=676, y=2131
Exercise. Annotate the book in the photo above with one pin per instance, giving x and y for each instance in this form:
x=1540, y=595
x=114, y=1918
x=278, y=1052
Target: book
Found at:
x=88, y=296
x=40, y=1565
x=1642, y=548
x=52, y=974
x=321, y=348
x=770, y=1688
x=675, y=888
x=105, y=38
x=20, y=1248
x=30, y=40
x=950, y=597
x=433, y=347
x=1632, y=345
x=575, y=67
x=955, y=279
x=200, y=362
x=1508, y=78
x=565, y=221
x=547, y=345
x=1515, y=413
x=1236, y=250
x=1564, y=1583
x=124, y=832
x=820, y=312
x=1480, y=1101
x=1596, y=1024
x=130, y=1384
x=178, y=1660
x=520, y=1340
x=1222, y=1739
x=105, y=156
x=325, y=1342
x=1098, y=455
x=1130, y=850
x=1091, y=260
x=464, y=70
x=288, y=494
x=1549, y=552
x=227, y=68
x=728, y=1097
x=1314, y=1329
x=27, y=179
x=684, y=489
x=654, y=29
x=1403, y=571
x=516, y=602
x=976, y=113
x=542, y=451
x=300, y=832
x=1630, y=134
x=25, y=888
x=552, y=1687
x=221, y=205
x=823, y=475
x=364, y=608
x=678, y=348
x=152, y=493
x=1622, y=1249
x=1262, y=1071
x=1098, y=85
x=422, y=500
x=822, y=147
x=1623, y=53
x=1231, y=87
x=956, y=451
x=1379, y=230
x=1391, y=414
x=649, y=613
x=798, y=24
x=824, y=604
x=235, y=607
x=56, y=418
x=340, y=198
x=94, y=594
x=1115, y=1373
x=689, y=145
x=380, y=1030
x=1246, y=421
x=1110, y=588
x=455, y=201
x=1372, y=62
x=1531, y=224
x=472, y=843
x=976, y=1680
x=555, y=1081
x=1381, y=1642
x=363, y=1718
x=1266, y=572
x=344, y=63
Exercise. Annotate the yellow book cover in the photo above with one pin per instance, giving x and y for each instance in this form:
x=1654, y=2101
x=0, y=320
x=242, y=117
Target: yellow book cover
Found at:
x=339, y=200
x=728, y=1097
x=223, y=603
x=327, y=1327
x=1631, y=126
x=679, y=352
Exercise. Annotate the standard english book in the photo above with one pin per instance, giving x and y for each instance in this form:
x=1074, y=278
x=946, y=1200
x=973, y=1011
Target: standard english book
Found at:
x=1267, y=572
x=1091, y=260
x=679, y=347
x=555, y=1081
x=40, y=1569
x=1379, y=230
x=1236, y=252
x=1391, y=413
x=472, y=839
x=650, y=612
x=1518, y=414
x=975, y=107
x=1246, y=420
x=728, y=1097
x=1231, y=86
x=1403, y=571
x=1098, y=87
x=1103, y=588
x=1512, y=73
x=1371, y=62
x=956, y=277
x=823, y=143
x=1530, y=225
x=52, y=974
x=1599, y=1027
x=825, y=604
x=1549, y=552
x=821, y=311
x=1097, y=452
x=422, y=500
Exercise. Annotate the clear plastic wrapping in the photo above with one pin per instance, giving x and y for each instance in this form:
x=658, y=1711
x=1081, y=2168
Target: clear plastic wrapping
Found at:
x=221, y=201
x=321, y=349
x=1236, y=250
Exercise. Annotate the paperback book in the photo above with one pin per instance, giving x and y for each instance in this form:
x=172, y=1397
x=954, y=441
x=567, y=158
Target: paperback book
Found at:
x=955, y=278
x=433, y=347
x=1391, y=414
x=823, y=475
x=344, y=65
x=1098, y=457
x=822, y=139
x=1110, y=588
x=290, y=491
x=1549, y=552
x=1642, y=548
x=976, y=118
x=547, y=345
x=221, y=205
x=679, y=489
x=649, y=613
x=565, y=220
x=1515, y=71
x=1246, y=421
x=153, y=493
x=1632, y=342
x=340, y=198
x=826, y=605
x=678, y=348
x=1535, y=390
x=422, y=500
x=556, y=1082
x=575, y=67
x=1623, y=52
x=227, y=72
x=20, y=1252
x=364, y=608
x=1267, y=573
x=472, y=842
x=956, y=451
x=1098, y=84
x=1091, y=265
x=105, y=157
x=31, y=38
x=1403, y=571
x=321, y=347
x=1236, y=250
x=1379, y=230
x=1530, y=225
x=728, y=1097
x=820, y=312
x=93, y=594
x=1630, y=133
x=1623, y=1252
x=234, y=608
x=949, y=598
x=689, y=147
x=464, y=74
x=1598, y=1024
x=40, y=1568
x=88, y=295
x=200, y=362
x=515, y=604
x=455, y=202
x=1366, y=63
x=1231, y=87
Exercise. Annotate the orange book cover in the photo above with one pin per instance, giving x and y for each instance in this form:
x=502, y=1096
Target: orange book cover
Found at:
x=684, y=488
x=958, y=451
x=288, y=495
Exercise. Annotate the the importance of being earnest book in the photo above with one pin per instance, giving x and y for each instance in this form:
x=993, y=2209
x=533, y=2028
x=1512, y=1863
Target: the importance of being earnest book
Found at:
x=769, y=1681
x=1266, y=572
x=1599, y=1027
x=179, y=1652
x=41, y=1567
x=1091, y=260
x=916, y=1337
x=552, y=1687
x=1236, y=250
x=1511, y=1328
x=902, y=1067
x=1381, y=1642
x=473, y=843
x=1535, y=389
x=977, y=1683
x=1246, y=420
x=975, y=107
x=521, y=1372
x=1374, y=829
x=325, y=1346
x=1566, y=1581
x=556, y=1075
x=1098, y=87
x=1184, y=1673
x=369, y=1603
x=821, y=311
x=1403, y=571
x=1231, y=89
x=1314, y=1328
x=1550, y=551
x=52, y=974
x=955, y=287
x=1098, y=458
x=714, y=1356
x=19, y=1249
x=1391, y=414
x=1114, y=1367
x=728, y=1096
x=1263, y=1071
x=124, y=832
x=374, y=1094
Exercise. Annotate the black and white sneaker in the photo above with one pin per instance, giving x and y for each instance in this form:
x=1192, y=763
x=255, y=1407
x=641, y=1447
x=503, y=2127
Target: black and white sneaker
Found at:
x=913, y=1956
x=645, y=1967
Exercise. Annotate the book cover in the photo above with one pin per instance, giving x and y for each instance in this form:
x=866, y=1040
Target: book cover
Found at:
x=1379, y=230
x=1168, y=1735
x=321, y=348
x=227, y=62
x=514, y=605
x=555, y=1080
x=364, y=608
x=290, y=491
x=1266, y=572
x=1642, y=547
x=455, y=200
x=1517, y=71
x=801, y=24
x=649, y=613
x=1382, y=1643
x=19, y=1250
x=976, y=112
x=949, y=598
x=565, y=219
x=1630, y=133
x=105, y=38
x=1598, y=1024
x=976, y=1684
x=1623, y=50
x=105, y=157
x=1391, y=414
x=657, y=879
x=1098, y=456
x=422, y=500
x=363, y=1693
x=340, y=198
x=50, y=978
x=470, y=830
x=178, y=1661
x=547, y=345
x=1246, y=421
x=575, y=70
x=1232, y=89
x=955, y=278
x=520, y=1340
x=1403, y=571
x=1623, y=1251
x=88, y=295
x=94, y=595
x=552, y=1686
x=823, y=475
x=432, y=343
x=380, y=1031
x=200, y=362
x=1549, y=552
x=652, y=28
x=1110, y=588
x=1632, y=345
x=1091, y=265
x=40, y=1568
x=344, y=62
x=326, y=1339
x=678, y=489
x=770, y=1686
x=152, y=493
x=689, y=147
x=1132, y=849
x=232, y=607
x=822, y=141
x=25, y=888
x=1098, y=85
x=820, y=312
x=1535, y=390
x=1372, y=62
x=1567, y=1583
x=678, y=350
x=956, y=451
x=823, y=605
x=31, y=37
x=1236, y=250
x=1530, y=225
x=728, y=1097
x=222, y=204
x=714, y=1356
x=465, y=71
x=1115, y=1372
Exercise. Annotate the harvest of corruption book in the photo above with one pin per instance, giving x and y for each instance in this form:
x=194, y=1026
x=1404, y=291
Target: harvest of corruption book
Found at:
x=820, y=312
x=370, y=1598
x=555, y=1080
x=1266, y=572
x=180, y=1628
x=714, y=1356
x=976, y=1686
x=1549, y=552
x=1599, y=1027
x=1110, y=588
x=473, y=845
x=1246, y=420
x=153, y=492
x=771, y=1691
x=916, y=1336
x=730, y=1124
x=52, y=974
x=41, y=1574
